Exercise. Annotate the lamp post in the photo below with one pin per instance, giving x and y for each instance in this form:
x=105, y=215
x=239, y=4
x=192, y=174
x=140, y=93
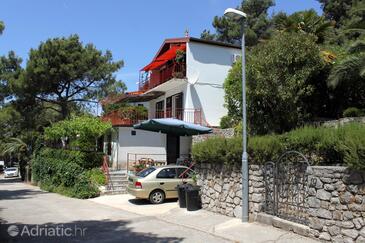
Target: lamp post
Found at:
x=237, y=15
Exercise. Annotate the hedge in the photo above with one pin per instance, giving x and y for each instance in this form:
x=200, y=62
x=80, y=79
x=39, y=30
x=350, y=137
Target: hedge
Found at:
x=321, y=145
x=71, y=173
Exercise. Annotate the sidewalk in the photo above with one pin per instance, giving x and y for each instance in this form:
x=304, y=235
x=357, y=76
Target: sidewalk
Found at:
x=215, y=224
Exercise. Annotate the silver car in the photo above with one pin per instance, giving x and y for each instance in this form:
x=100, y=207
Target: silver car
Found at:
x=11, y=172
x=158, y=183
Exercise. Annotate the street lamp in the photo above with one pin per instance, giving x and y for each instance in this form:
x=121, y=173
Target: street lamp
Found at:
x=237, y=15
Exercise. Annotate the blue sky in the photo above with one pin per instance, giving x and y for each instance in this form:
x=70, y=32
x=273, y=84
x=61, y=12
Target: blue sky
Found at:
x=132, y=29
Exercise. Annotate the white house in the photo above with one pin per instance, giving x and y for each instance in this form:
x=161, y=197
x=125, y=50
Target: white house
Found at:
x=183, y=81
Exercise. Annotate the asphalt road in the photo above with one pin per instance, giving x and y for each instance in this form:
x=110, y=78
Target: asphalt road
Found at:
x=28, y=214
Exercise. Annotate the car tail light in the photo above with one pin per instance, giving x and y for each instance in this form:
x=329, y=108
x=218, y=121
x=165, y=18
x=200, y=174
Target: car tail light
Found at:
x=138, y=185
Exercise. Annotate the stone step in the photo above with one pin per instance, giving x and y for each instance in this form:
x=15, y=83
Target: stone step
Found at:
x=118, y=172
x=116, y=186
x=118, y=183
x=118, y=176
x=111, y=192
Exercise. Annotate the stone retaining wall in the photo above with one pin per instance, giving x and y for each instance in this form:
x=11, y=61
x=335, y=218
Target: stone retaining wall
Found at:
x=221, y=188
x=335, y=202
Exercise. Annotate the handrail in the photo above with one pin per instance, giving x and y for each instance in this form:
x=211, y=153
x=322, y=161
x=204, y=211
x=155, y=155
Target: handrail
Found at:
x=105, y=168
x=189, y=168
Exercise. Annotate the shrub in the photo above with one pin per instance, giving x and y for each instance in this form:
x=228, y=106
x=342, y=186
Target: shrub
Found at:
x=67, y=172
x=321, y=145
x=96, y=176
x=353, y=112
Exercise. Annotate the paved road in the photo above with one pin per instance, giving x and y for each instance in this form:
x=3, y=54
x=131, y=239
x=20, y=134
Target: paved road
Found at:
x=36, y=216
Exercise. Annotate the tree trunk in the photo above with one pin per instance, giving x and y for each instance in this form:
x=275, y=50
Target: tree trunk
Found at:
x=64, y=110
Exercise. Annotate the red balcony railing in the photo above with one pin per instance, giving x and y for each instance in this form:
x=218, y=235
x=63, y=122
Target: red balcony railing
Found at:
x=149, y=80
x=188, y=115
x=124, y=118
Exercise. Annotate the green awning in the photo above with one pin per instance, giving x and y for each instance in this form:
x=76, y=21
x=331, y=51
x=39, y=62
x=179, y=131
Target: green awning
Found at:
x=172, y=126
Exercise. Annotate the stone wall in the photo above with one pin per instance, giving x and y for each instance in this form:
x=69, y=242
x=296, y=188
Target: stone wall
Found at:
x=221, y=188
x=341, y=122
x=335, y=201
x=227, y=133
x=336, y=204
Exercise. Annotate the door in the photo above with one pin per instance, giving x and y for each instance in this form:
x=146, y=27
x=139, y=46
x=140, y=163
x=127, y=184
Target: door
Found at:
x=179, y=111
x=169, y=107
x=167, y=181
x=173, y=148
x=159, y=112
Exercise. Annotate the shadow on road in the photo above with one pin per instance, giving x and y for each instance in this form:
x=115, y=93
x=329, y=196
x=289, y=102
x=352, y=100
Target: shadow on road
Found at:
x=137, y=201
x=88, y=231
x=16, y=193
x=10, y=180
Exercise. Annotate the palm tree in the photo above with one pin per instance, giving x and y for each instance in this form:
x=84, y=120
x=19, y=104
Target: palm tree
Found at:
x=18, y=148
x=305, y=22
x=353, y=66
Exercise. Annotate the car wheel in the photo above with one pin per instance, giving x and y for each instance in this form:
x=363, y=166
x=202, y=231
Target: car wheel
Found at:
x=157, y=197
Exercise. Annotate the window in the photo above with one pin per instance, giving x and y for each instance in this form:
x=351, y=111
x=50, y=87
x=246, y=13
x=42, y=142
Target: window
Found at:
x=169, y=173
x=188, y=174
x=146, y=172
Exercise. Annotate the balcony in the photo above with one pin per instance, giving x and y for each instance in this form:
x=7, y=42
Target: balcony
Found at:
x=130, y=117
x=151, y=79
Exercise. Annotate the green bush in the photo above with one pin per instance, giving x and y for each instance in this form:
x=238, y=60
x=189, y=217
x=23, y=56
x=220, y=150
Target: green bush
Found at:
x=82, y=132
x=353, y=112
x=321, y=145
x=67, y=172
x=96, y=176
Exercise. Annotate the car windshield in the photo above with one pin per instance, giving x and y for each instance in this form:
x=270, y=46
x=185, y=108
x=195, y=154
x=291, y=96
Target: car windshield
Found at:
x=11, y=169
x=146, y=172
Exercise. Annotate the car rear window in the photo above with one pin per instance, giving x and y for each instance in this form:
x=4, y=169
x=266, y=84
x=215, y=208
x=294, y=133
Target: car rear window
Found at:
x=168, y=173
x=11, y=169
x=145, y=172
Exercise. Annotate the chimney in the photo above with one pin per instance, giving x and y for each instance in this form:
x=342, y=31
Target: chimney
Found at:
x=187, y=33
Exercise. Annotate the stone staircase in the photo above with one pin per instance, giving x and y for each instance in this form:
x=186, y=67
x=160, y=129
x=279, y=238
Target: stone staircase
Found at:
x=118, y=182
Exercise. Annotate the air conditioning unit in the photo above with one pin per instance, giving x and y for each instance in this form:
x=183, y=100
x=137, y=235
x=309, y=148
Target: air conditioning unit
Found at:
x=235, y=58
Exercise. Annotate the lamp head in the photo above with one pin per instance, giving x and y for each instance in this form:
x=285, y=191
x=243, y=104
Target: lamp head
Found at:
x=234, y=14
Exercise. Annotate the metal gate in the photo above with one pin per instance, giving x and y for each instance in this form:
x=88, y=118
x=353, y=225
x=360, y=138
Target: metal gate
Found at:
x=286, y=187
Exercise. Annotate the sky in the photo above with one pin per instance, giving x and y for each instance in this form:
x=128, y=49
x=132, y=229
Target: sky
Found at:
x=132, y=30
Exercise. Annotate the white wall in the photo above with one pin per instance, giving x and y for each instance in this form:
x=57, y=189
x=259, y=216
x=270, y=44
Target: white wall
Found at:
x=185, y=145
x=207, y=67
x=143, y=142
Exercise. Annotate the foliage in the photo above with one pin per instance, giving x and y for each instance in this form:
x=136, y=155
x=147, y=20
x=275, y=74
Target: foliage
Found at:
x=321, y=145
x=281, y=83
x=10, y=70
x=2, y=27
x=304, y=22
x=257, y=24
x=67, y=172
x=63, y=71
x=133, y=112
x=226, y=122
x=347, y=77
x=81, y=131
x=353, y=112
x=337, y=10
x=180, y=56
x=96, y=176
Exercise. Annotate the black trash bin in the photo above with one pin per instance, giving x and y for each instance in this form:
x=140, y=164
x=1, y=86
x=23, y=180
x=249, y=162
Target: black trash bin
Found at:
x=181, y=194
x=193, y=202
